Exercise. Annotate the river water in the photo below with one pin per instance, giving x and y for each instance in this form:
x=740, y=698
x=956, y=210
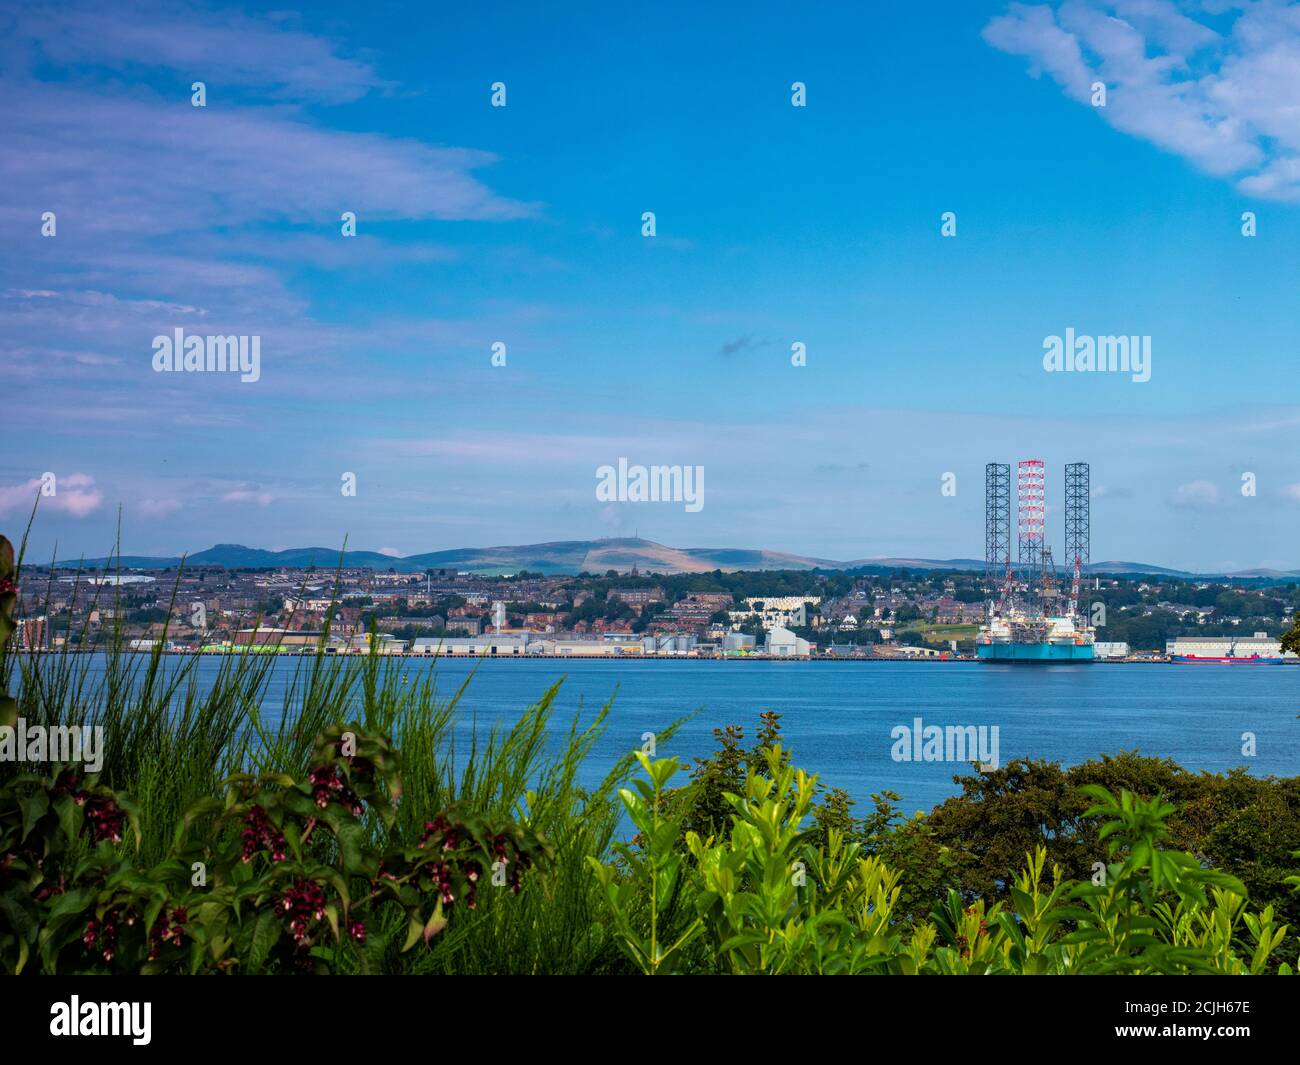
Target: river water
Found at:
x=840, y=718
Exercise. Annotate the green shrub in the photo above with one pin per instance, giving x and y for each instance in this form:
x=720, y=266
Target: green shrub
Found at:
x=768, y=898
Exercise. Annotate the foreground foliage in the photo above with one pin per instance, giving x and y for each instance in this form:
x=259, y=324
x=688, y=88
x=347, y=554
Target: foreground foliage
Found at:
x=766, y=898
x=214, y=840
x=276, y=875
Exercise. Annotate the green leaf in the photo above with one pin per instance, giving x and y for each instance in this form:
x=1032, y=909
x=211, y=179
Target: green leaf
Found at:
x=266, y=932
x=70, y=902
x=70, y=815
x=152, y=910
x=435, y=924
x=352, y=846
x=16, y=905
x=34, y=807
x=414, y=929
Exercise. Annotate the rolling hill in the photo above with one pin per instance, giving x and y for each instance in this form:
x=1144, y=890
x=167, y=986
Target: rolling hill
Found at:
x=592, y=556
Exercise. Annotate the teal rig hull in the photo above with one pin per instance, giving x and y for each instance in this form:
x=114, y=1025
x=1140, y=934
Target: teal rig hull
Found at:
x=1035, y=652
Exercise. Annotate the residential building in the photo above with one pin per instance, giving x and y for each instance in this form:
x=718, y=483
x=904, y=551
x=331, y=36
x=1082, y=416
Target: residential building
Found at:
x=781, y=611
x=637, y=596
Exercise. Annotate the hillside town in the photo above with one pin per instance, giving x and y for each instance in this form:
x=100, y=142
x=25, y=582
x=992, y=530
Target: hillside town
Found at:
x=772, y=614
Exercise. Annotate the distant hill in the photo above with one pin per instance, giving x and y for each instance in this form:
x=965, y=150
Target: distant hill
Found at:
x=1126, y=569
x=232, y=555
x=594, y=556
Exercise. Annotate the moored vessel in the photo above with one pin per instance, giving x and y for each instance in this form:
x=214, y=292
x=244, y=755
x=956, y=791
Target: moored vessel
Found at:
x=1018, y=636
x=1030, y=623
x=1228, y=660
x=1258, y=649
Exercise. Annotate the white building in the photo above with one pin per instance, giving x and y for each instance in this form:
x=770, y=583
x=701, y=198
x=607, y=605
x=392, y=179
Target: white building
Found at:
x=385, y=643
x=595, y=648
x=470, y=645
x=779, y=611
x=782, y=643
x=292, y=603
x=1111, y=650
x=1261, y=644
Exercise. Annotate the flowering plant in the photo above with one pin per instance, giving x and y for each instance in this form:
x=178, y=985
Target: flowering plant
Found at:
x=276, y=875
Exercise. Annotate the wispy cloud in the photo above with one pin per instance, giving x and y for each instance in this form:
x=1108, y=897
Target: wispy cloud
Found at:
x=158, y=508
x=1225, y=101
x=248, y=495
x=265, y=53
x=744, y=343
x=94, y=160
x=840, y=467
x=1195, y=495
x=170, y=215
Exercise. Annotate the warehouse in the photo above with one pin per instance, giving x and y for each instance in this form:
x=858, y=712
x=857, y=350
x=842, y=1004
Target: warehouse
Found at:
x=1260, y=645
x=470, y=645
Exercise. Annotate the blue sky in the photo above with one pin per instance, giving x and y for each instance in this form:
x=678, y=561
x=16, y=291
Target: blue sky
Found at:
x=775, y=224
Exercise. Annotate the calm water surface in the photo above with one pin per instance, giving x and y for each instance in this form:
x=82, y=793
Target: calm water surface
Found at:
x=837, y=717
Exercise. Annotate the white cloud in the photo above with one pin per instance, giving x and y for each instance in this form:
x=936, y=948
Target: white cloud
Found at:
x=1195, y=495
x=1228, y=102
x=74, y=494
x=248, y=495
x=158, y=508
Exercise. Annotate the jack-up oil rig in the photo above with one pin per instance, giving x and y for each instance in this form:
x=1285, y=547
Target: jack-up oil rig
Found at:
x=1028, y=618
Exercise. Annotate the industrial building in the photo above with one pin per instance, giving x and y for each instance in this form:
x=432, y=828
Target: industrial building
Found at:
x=782, y=643
x=738, y=643
x=594, y=647
x=470, y=645
x=1260, y=645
